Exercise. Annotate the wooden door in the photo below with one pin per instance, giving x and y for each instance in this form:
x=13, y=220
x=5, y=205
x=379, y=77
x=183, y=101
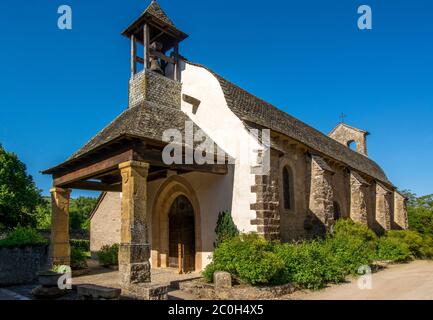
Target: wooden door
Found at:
x=182, y=235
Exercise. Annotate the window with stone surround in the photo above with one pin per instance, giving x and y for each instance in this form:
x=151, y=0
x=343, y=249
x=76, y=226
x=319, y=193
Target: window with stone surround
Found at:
x=288, y=188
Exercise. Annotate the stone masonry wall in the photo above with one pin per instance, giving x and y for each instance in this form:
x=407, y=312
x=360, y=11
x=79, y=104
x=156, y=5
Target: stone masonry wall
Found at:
x=345, y=134
x=400, y=212
x=267, y=213
x=21, y=265
x=383, y=207
x=321, y=197
x=153, y=87
x=292, y=225
x=359, y=198
x=105, y=223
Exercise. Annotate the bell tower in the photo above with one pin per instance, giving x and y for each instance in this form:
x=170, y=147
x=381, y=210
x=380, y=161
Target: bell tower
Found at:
x=159, y=79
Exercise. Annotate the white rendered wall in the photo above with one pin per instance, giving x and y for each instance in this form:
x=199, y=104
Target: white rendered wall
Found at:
x=216, y=119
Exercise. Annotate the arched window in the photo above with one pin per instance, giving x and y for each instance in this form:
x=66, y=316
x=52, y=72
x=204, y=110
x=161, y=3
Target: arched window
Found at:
x=337, y=211
x=288, y=188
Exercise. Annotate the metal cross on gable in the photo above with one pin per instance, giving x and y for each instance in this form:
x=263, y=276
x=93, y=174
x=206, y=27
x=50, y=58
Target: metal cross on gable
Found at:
x=342, y=117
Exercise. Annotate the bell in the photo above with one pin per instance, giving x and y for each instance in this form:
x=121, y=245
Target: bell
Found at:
x=154, y=65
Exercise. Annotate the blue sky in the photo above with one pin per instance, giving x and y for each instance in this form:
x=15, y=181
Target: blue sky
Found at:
x=59, y=88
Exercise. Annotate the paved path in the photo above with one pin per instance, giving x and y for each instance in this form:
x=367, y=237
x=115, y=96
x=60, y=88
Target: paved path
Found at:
x=413, y=281
x=6, y=294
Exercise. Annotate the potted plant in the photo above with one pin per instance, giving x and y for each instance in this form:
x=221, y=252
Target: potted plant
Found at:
x=50, y=278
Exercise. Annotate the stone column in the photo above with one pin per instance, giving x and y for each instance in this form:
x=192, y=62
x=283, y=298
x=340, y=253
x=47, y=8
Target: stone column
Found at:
x=134, y=253
x=60, y=250
x=321, y=194
x=358, y=198
x=383, y=206
x=400, y=211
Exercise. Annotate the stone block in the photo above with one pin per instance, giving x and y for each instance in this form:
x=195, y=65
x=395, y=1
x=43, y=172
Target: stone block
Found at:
x=135, y=273
x=147, y=292
x=222, y=280
x=93, y=292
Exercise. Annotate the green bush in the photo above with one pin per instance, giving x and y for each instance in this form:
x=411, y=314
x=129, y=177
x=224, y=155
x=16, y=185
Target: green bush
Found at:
x=308, y=264
x=393, y=249
x=248, y=258
x=225, y=229
x=404, y=245
x=23, y=236
x=108, y=255
x=312, y=264
x=83, y=245
x=352, y=245
x=78, y=259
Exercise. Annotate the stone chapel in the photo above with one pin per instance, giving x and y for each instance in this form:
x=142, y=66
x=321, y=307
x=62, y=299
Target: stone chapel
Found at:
x=163, y=215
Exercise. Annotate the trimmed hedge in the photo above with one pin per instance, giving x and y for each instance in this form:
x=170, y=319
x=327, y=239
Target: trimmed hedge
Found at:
x=83, y=245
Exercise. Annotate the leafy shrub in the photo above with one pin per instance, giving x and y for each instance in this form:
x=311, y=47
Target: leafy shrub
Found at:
x=312, y=264
x=346, y=228
x=393, y=249
x=83, y=245
x=108, y=255
x=352, y=244
x=23, y=236
x=248, y=258
x=418, y=246
x=225, y=229
x=308, y=264
x=78, y=259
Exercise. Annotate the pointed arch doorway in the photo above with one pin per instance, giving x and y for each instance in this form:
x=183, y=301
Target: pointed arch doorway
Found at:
x=182, y=235
x=175, y=199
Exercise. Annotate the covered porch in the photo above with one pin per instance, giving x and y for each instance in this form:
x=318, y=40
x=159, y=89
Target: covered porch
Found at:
x=125, y=164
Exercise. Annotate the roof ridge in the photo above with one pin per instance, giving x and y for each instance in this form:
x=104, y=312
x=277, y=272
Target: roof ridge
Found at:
x=155, y=10
x=380, y=175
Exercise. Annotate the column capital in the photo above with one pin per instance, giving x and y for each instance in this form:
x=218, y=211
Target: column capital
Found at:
x=60, y=190
x=134, y=164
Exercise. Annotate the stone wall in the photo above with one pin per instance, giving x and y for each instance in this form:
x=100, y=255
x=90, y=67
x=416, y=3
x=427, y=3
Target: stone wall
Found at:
x=105, y=223
x=21, y=265
x=321, y=205
x=293, y=221
x=341, y=188
x=153, y=87
x=267, y=202
x=400, y=212
x=358, y=198
x=384, y=207
x=346, y=134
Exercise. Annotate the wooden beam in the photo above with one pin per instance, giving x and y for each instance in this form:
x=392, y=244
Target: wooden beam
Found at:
x=94, y=169
x=146, y=45
x=161, y=56
x=176, y=63
x=140, y=60
x=157, y=36
x=154, y=158
x=138, y=153
x=94, y=186
x=133, y=56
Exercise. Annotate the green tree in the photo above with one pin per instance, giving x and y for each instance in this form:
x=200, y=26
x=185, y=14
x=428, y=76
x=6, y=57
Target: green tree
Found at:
x=225, y=229
x=44, y=214
x=79, y=211
x=19, y=195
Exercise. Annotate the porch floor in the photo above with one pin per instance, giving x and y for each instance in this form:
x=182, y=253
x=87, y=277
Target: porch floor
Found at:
x=111, y=278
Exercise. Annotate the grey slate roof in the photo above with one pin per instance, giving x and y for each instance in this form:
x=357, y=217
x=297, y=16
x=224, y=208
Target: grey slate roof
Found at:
x=155, y=10
x=148, y=120
x=249, y=108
